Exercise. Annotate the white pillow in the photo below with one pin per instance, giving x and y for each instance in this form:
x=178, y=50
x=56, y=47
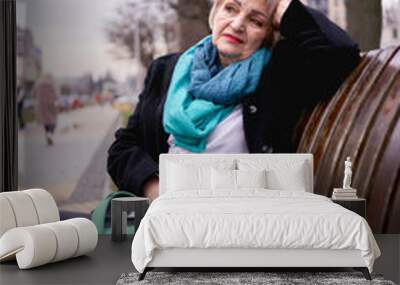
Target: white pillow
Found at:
x=207, y=161
x=225, y=179
x=281, y=174
x=186, y=174
x=183, y=178
x=289, y=179
x=251, y=178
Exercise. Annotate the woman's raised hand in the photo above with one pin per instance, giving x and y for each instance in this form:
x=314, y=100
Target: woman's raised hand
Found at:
x=281, y=6
x=151, y=188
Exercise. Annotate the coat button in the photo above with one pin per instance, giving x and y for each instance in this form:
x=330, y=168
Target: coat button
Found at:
x=252, y=109
x=266, y=149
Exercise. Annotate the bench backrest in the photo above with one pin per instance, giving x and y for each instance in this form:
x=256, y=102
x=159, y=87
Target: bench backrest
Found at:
x=362, y=121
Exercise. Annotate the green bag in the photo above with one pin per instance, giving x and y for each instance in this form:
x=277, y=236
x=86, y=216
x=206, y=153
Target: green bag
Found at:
x=99, y=214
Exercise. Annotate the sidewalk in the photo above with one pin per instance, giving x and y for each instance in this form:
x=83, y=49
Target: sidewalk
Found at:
x=73, y=170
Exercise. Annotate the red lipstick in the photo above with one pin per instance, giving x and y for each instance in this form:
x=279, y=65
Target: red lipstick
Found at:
x=232, y=39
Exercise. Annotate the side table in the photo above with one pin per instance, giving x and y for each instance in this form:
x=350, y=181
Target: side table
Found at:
x=120, y=207
x=357, y=205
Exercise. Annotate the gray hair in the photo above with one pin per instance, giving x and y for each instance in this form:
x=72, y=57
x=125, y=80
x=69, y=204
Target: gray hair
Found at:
x=271, y=36
x=215, y=5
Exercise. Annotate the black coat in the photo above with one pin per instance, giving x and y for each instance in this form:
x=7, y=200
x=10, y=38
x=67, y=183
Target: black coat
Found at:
x=307, y=65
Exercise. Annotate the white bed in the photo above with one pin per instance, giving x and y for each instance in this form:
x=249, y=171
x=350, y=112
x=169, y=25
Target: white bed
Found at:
x=201, y=223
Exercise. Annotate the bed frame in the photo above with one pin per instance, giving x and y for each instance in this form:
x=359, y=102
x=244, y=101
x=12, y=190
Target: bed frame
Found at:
x=246, y=258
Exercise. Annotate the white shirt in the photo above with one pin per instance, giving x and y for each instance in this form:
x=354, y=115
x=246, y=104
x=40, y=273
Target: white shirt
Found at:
x=227, y=137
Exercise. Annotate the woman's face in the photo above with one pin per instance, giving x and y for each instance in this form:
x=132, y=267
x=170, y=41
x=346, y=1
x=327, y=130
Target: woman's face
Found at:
x=239, y=28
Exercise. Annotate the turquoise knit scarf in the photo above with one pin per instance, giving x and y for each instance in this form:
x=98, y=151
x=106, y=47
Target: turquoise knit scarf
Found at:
x=202, y=93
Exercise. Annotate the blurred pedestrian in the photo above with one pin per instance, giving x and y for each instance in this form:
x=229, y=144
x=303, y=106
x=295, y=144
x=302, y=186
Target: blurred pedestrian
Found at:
x=21, y=94
x=46, y=94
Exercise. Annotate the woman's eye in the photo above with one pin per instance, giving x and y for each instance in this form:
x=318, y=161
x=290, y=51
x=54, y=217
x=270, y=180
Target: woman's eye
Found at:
x=229, y=8
x=256, y=22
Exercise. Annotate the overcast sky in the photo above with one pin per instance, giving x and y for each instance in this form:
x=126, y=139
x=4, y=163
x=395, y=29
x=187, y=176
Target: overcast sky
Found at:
x=71, y=35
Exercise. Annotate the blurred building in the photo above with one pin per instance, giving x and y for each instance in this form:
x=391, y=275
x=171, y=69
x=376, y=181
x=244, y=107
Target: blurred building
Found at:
x=84, y=84
x=80, y=85
x=29, y=57
x=391, y=24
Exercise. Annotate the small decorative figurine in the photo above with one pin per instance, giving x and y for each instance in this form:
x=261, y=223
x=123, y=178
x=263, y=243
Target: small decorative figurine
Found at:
x=347, y=173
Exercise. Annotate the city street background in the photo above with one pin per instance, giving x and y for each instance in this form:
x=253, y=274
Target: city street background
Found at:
x=74, y=168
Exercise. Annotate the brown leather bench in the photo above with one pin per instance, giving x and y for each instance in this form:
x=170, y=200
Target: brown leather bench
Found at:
x=362, y=120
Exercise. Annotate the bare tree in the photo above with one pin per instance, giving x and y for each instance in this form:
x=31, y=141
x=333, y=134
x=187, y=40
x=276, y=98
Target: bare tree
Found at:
x=180, y=24
x=193, y=20
x=364, y=22
x=121, y=32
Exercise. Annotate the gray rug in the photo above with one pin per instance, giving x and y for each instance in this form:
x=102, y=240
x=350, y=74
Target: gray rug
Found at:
x=242, y=278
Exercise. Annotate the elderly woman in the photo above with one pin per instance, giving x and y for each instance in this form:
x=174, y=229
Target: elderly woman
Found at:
x=239, y=90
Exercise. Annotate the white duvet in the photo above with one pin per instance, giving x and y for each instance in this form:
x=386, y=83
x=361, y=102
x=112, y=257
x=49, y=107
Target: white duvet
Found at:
x=252, y=218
